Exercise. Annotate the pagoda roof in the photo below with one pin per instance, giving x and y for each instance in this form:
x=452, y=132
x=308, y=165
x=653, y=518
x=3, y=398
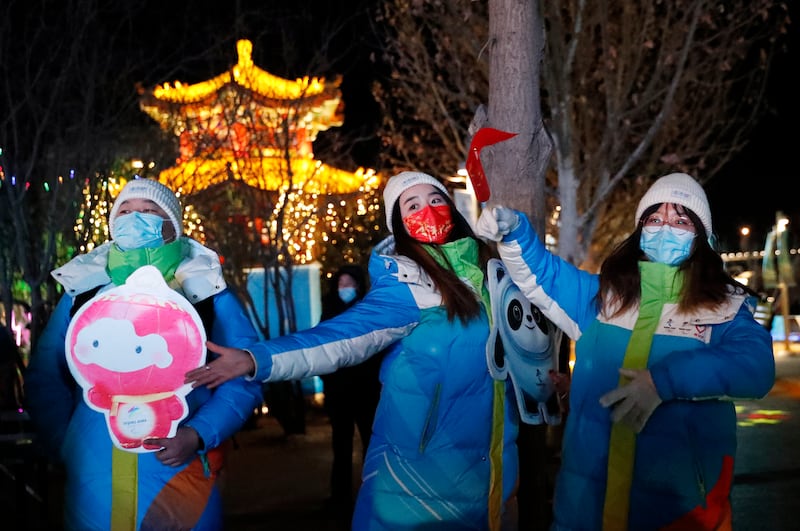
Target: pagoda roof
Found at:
x=268, y=173
x=175, y=105
x=207, y=109
x=247, y=75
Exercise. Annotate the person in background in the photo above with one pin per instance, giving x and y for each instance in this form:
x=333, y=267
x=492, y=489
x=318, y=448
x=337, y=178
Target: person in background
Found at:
x=665, y=340
x=174, y=487
x=11, y=369
x=351, y=393
x=442, y=453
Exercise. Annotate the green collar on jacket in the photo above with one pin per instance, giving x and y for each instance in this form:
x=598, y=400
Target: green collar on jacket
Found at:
x=660, y=282
x=166, y=259
x=462, y=258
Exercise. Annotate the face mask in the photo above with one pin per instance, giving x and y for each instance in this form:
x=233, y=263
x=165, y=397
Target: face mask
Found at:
x=432, y=224
x=138, y=230
x=666, y=245
x=347, y=294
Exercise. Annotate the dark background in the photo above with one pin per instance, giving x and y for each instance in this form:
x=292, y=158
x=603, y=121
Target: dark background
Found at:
x=763, y=178
x=749, y=191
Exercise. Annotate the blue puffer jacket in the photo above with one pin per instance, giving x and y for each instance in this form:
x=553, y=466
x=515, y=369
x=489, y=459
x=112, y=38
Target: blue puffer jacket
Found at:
x=146, y=491
x=683, y=461
x=437, y=437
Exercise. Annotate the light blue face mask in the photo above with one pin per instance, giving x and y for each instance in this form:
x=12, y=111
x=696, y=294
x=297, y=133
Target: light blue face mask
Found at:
x=666, y=244
x=138, y=230
x=347, y=294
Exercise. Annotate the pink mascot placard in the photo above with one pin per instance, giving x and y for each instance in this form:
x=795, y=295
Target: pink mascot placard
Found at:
x=128, y=348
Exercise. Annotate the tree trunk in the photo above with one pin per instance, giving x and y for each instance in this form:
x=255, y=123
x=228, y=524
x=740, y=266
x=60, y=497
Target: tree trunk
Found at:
x=568, y=246
x=516, y=168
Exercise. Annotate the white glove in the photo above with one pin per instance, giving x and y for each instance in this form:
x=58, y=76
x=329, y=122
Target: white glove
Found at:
x=496, y=222
x=633, y=403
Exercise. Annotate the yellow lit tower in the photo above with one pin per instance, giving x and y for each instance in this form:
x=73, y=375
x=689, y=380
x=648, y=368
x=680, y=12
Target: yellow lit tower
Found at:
x=252, y=132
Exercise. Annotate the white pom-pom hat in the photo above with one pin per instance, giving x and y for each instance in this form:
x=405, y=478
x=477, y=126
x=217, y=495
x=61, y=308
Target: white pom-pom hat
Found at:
x=680, y=189
x=155, y=192
x=402, y=182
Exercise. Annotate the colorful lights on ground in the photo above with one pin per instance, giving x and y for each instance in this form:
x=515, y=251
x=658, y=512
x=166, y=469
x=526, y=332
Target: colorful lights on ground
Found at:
x=751, y=415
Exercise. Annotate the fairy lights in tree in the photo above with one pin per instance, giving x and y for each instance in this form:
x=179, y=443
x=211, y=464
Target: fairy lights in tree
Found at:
x=91, y=224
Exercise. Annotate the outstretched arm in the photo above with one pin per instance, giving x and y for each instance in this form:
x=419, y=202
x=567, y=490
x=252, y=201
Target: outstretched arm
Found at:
x=387, y=313
x=231, y=363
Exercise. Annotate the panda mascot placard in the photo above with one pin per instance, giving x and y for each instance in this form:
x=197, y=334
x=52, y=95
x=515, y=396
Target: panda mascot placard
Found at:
x=524, y=345
x=128, y=348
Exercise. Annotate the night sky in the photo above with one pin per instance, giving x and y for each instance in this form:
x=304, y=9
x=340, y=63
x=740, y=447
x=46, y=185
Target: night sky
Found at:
x=763, y=178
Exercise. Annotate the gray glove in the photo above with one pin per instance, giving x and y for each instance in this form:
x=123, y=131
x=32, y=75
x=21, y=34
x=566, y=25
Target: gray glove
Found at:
x=633, y=403
x=496, y=222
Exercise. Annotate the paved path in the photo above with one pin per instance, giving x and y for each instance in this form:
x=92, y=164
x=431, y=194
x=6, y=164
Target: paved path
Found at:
x=277, y=482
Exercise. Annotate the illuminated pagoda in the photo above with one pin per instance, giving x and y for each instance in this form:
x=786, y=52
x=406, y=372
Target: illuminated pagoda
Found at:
x=239, y=117
x=250, y=127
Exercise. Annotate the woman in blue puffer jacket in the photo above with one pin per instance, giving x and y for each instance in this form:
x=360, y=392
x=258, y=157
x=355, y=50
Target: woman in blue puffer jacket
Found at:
x=665, y=340
x=442, y=453
x=106, y=486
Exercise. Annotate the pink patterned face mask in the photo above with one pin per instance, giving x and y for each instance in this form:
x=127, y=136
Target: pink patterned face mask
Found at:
x=432, y=224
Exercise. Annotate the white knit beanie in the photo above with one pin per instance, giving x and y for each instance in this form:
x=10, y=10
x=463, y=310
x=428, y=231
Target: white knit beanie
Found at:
x=402, y=182
x=155, y=192
x=680, y=189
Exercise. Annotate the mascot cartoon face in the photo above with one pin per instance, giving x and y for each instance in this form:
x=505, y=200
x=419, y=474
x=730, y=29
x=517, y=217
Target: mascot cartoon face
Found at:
x=128, y=348
x=524, y=344
x=525, y=327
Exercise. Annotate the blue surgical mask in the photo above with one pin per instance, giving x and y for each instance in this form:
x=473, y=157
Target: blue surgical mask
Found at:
x=138, y=230
x=666, y=245
x=348, y=295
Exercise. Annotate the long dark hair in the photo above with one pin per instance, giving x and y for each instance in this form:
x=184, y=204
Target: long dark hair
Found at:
x=459, y=300
x=706, y=283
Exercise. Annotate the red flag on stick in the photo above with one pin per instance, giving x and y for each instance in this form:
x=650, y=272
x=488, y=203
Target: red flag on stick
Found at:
x=486, y=136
